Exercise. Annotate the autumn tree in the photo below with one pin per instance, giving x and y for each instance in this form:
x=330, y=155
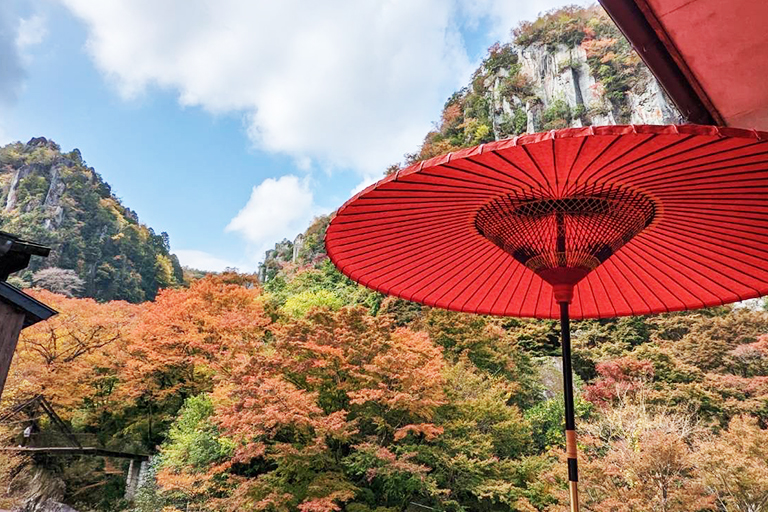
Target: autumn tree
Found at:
x=634, y=458
x=618, y=378
x=734, y=466
x=71, y=358
x=176, y=341
x=323, y=386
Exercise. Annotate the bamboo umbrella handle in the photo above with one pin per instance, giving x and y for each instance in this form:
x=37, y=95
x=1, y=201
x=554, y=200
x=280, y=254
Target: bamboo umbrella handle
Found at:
x=570, y=420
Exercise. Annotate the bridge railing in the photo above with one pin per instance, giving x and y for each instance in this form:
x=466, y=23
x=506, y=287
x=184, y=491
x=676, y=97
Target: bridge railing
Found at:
x=51, y=439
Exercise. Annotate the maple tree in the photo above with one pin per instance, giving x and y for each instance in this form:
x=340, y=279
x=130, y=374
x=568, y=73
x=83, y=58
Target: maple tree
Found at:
x=73, y=355
x=176, y=340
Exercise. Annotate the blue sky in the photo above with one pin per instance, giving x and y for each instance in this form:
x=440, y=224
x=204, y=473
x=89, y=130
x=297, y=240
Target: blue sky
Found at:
x=229, y=124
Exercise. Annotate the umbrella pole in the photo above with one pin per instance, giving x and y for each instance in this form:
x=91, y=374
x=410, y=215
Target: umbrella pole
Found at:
x=570, y=421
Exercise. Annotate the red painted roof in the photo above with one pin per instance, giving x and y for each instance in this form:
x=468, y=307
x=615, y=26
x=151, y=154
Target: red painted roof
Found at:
x=415, y=234
x=720, y=48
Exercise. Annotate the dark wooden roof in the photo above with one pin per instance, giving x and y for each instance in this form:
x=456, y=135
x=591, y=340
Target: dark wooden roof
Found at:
x=15, y=253
x=34, y=310
x=14, y=256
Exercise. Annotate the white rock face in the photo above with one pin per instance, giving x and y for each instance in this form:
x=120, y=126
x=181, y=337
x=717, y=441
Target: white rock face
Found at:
x=651, y=105
x=564, y=75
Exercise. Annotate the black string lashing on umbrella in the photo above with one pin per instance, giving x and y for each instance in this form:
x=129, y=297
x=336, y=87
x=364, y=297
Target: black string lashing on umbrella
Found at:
x=577, y=232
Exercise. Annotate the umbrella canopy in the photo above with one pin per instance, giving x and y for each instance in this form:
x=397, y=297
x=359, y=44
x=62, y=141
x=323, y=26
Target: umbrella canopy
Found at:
x=582, y=222
x=616, y=220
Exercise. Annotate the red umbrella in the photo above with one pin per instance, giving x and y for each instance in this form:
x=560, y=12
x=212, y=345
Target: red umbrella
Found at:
x=583, y=222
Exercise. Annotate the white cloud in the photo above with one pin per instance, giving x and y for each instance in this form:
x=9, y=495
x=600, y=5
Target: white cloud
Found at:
x=202, y=260
x=278, y=208
x=31, y=31
x=341, y=82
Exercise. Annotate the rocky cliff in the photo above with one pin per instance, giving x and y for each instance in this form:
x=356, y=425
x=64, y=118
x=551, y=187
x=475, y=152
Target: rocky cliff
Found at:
x=563, y=75
x=569, y=68
x=55, y=199
x=306, y=248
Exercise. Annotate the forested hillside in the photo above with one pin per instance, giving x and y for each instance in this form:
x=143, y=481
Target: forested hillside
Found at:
x=302, y=391
x=99, y=247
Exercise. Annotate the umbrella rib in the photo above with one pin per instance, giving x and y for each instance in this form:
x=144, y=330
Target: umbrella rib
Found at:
x=618, y=157
x=407, y=222
x=411, y=210
x=714, y=216
x=381, y=195
x=524, y=273
x=697, y=173
x=371, y=264
x=714, y=212
x=630, y=151
x=501, y=173
x=465, y=254
x=510, y=263
x=489, y=256
x=631, y=254
x=628, y=173
x=429, y=197
x=506, y=187
x=462, y=213
x=691, y=228
x=609, y=276
x=605, y=290
x=667, y=236
x=583, y=296
x=622, y=255
x=398, y=240
x=413, y=259
x=697, y=221
x=515, y=270
x=595, y=159
x=530, y=275
x=625, y=167
x=515, y=166
x=488, y=273
x=538, y=168
x=670, y=242
x=661, y=249
x=554, y=167
x=434, y=185
x=566, y=185
x=537, y=295
x=435, y=227
x=610, y=268
x=741, y=198
x=714, y=222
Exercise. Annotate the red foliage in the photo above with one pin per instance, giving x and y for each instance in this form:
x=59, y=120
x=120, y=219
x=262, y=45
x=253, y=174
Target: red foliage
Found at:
x=618, y=377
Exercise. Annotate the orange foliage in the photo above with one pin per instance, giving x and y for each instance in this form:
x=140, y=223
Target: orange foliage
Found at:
x=184, y=331
x=73, y=355
x=320, y=381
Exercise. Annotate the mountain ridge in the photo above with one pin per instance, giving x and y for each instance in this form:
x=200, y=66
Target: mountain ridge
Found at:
x=56, y=199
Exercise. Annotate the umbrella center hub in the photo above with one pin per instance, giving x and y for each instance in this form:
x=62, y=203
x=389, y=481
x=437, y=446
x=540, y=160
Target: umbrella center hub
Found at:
x=563, y=239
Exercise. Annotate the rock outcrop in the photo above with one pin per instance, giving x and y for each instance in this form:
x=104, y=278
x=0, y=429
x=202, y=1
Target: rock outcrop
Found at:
x=564, y=76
